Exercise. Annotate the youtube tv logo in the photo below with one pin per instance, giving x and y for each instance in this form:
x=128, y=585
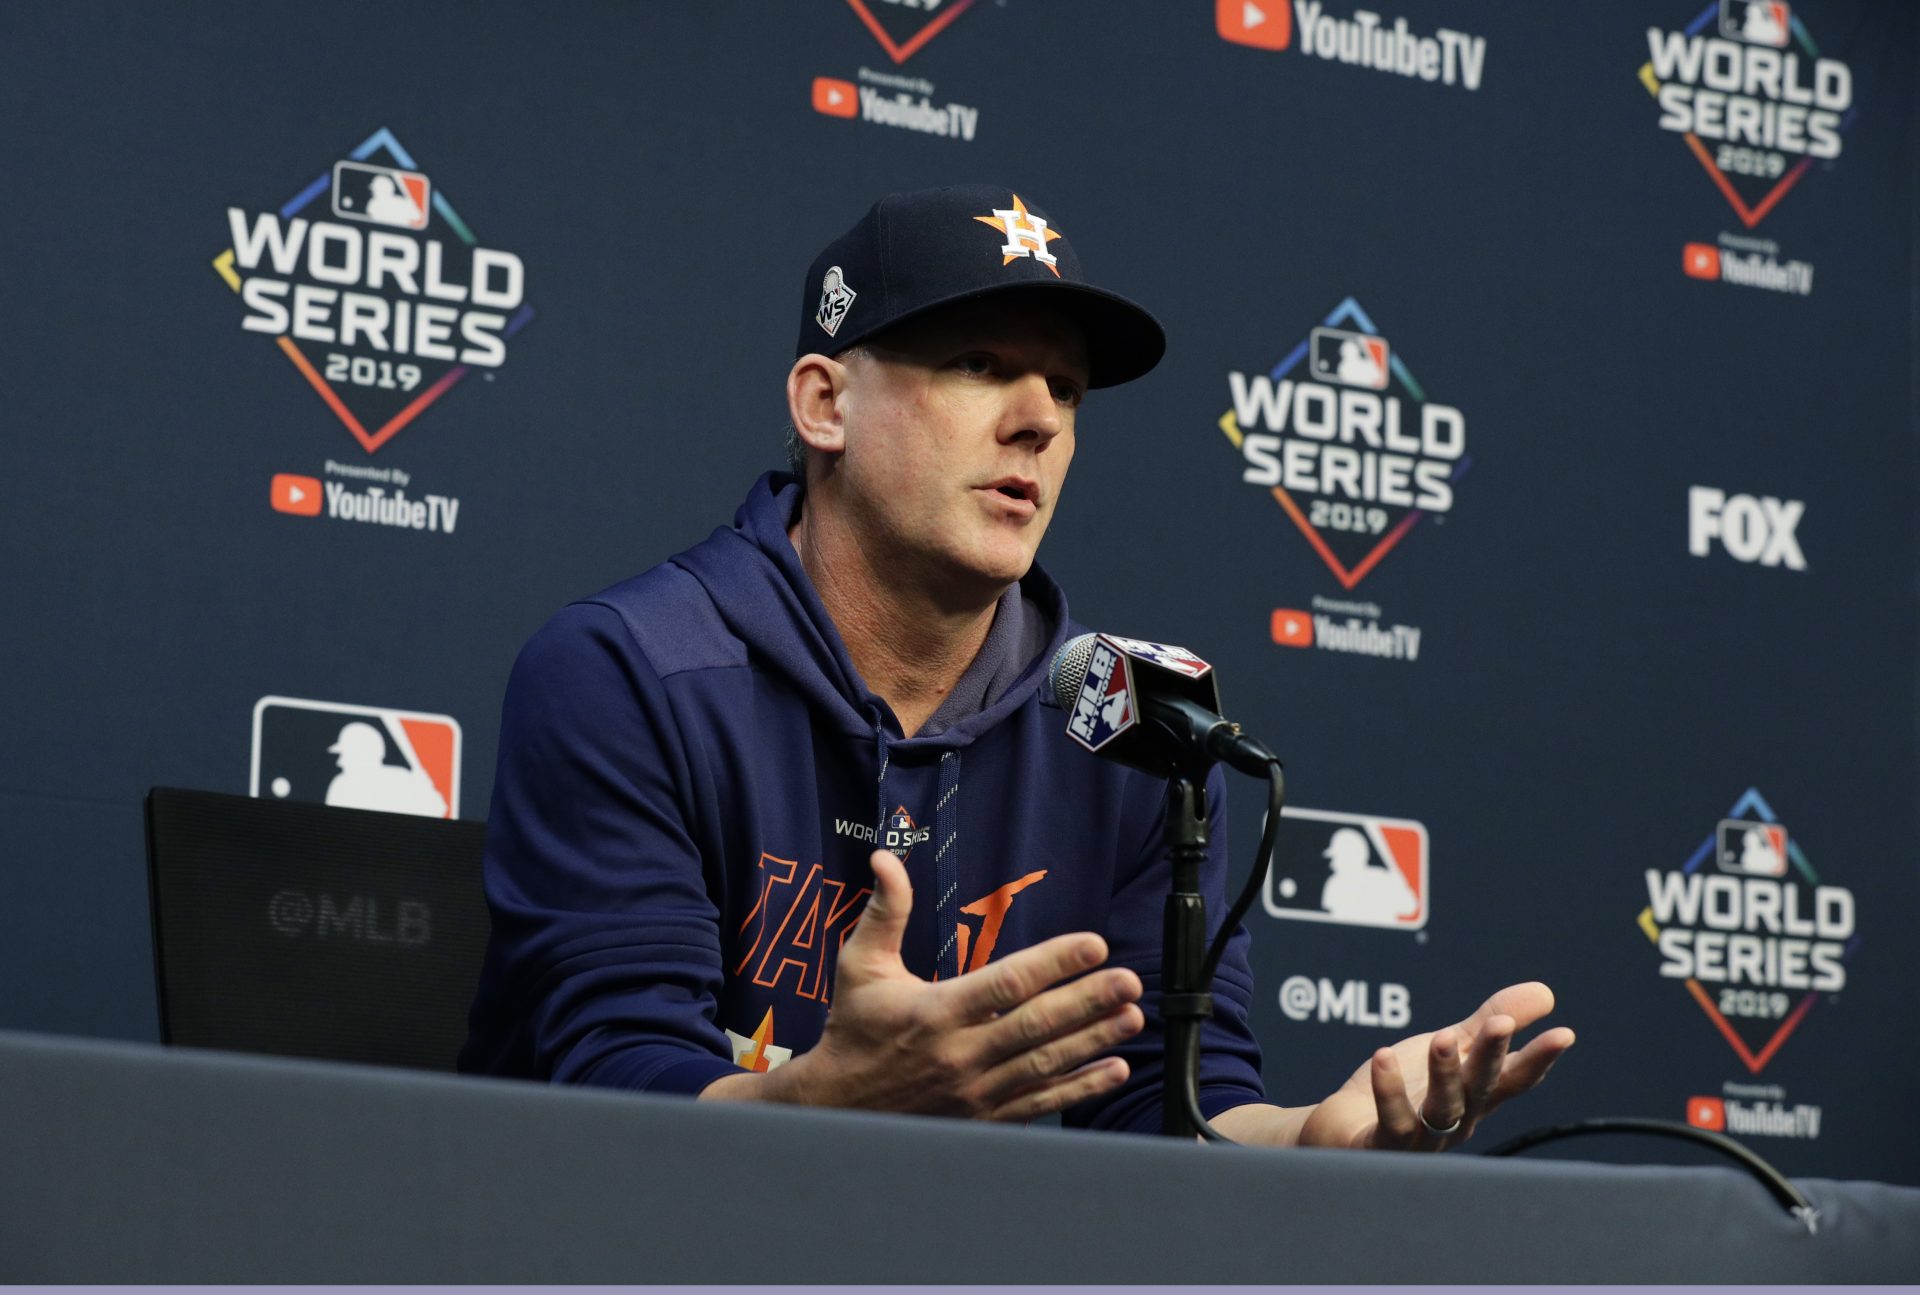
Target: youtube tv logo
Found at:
x=1708, y=1113
x=834, y=97
x=1262, y=24
x=1701, y=261
x=296, y=494
x=1292, y=628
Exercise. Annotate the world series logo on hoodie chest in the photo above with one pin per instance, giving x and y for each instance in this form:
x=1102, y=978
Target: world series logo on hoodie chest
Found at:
x=900, y=833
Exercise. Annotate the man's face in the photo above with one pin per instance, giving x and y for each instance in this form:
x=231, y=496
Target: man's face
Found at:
x=959, y=431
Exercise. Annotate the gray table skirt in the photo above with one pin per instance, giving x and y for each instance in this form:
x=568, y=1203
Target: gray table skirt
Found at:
x=130, y=1163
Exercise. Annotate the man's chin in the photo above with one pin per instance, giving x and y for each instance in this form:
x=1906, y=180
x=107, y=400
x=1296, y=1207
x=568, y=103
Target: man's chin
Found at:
x=987, y=576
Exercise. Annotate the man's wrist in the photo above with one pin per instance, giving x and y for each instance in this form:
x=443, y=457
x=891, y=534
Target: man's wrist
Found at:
x=740, y=1086
x=1264, y=1125
x=785, y=1084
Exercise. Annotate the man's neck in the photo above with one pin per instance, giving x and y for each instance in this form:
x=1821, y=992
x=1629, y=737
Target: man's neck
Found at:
x=910, y=646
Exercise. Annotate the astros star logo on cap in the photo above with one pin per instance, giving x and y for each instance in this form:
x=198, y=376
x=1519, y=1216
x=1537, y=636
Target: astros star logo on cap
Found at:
x=1027, y=234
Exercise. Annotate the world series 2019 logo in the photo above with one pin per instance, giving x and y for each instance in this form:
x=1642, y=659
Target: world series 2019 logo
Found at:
x=375, y=289
x=1747, y=88
x=902, y=833
x=1346, y=440
x=1751, y=930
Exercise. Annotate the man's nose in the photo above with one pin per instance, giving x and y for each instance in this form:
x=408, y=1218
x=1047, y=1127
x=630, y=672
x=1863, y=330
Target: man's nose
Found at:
x=1031, y=410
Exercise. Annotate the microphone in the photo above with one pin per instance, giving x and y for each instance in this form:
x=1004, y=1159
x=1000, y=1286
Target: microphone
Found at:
x=1150, y=706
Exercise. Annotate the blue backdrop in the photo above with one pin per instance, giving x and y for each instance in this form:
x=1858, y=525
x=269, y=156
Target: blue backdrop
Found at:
x=1534, y=453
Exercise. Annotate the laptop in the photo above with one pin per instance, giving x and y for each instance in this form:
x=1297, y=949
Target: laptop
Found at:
x=301, y=930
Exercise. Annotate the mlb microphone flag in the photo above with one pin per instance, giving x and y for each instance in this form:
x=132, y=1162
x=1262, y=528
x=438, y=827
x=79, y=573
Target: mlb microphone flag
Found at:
x=1106, y=703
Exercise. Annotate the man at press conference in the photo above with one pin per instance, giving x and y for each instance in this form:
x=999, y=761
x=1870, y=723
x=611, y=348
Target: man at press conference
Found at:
x=697, y=765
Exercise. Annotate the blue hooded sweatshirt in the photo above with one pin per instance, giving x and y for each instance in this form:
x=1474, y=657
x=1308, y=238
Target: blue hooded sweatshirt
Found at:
x=692, y=775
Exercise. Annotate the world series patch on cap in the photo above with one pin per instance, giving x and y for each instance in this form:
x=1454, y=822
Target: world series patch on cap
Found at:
x=913, y=252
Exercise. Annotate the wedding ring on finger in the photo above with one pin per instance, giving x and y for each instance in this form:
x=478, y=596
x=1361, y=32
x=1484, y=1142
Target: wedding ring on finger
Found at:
x=1438, y=1133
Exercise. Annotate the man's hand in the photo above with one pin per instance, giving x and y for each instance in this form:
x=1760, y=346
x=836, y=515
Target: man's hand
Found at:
x=1006, y=1042
x=1453, y=1077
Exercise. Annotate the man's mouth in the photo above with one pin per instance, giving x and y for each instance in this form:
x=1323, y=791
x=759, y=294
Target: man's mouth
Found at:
x=1016, y=488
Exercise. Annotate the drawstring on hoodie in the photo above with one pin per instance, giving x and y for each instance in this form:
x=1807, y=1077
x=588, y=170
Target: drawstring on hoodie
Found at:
x=946, y=865
x=880, y=781
x=946, y=855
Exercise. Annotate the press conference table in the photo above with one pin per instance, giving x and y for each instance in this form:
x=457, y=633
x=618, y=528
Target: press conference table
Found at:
x=132, y=1163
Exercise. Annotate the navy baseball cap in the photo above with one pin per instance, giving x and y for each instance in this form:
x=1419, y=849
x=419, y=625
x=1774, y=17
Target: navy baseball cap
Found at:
x=913, y=252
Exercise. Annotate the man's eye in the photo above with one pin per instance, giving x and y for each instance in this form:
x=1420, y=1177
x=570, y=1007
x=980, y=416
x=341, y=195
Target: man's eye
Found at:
x=975, y=364
x=1067, y=393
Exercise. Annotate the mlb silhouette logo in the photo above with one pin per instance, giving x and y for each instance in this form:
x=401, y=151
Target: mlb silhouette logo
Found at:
x=1752, y=847
x=1708, y=1113
x=1349, y=358
x=380, y=195
x=1353, y=869
x=1758, y=22
x=356, y=757
x=1104, y=708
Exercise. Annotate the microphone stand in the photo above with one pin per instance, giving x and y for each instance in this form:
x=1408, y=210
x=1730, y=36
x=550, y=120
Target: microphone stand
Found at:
x=1186, y=1000
x=1182, y=740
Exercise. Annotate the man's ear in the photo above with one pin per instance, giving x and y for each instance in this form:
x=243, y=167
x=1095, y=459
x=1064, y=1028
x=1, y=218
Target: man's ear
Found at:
x=815, y=386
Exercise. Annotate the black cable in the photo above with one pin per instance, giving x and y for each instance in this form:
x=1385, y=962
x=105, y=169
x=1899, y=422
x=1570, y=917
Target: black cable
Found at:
x=1190, y=1092
x=1783, y=1191
x=1276, y=797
